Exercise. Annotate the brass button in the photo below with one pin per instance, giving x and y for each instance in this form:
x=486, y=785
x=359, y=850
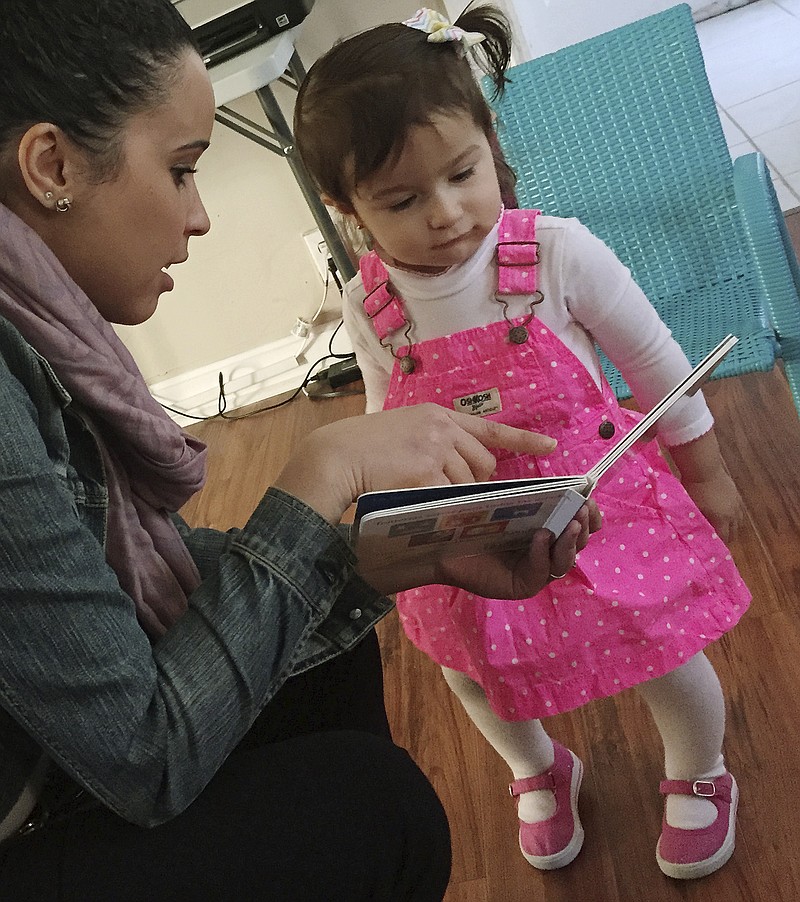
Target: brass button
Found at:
x=407, y=364
x=606, y=429
x=518, y=335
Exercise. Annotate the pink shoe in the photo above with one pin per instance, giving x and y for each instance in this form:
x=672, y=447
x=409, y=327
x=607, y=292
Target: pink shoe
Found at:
x=688, y=854
x=553, y=843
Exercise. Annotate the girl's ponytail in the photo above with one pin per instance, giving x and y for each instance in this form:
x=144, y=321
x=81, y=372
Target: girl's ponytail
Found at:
x=360, y=99
x=492, y=55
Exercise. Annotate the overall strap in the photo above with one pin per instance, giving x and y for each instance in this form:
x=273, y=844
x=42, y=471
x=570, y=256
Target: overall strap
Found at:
x=380, y=305
x=517, y=258
x=517, y=252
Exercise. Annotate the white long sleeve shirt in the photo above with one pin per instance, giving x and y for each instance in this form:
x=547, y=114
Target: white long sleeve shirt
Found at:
x=589, y=296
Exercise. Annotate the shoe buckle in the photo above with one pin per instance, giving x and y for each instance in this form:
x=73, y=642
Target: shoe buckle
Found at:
x=704, y=788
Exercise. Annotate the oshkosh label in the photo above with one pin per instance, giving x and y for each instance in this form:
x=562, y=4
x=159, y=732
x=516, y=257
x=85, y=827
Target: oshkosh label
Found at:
x=480, y=403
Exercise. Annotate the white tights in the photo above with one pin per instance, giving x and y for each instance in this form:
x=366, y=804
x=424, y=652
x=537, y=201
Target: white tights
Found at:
x=687, y=706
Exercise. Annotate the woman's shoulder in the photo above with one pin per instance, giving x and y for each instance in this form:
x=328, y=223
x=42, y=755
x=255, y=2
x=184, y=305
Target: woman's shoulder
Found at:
x=28, y=385
x=16, y=355
x=9, y=336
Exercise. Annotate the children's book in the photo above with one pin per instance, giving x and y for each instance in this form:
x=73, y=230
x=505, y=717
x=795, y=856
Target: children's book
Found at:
x=421, y=524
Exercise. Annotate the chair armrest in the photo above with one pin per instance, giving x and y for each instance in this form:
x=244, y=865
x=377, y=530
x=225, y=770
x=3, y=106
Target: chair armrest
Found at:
x=773, y=253
x=774, y=258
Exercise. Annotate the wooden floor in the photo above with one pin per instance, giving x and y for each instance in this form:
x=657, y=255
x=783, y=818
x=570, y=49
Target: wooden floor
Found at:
x=758, y=664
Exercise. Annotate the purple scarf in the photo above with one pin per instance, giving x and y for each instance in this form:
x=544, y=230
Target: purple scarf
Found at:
x=152, y=466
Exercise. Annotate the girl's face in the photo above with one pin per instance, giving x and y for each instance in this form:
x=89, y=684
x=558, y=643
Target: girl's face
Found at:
x=120, y=235
x=432, y=206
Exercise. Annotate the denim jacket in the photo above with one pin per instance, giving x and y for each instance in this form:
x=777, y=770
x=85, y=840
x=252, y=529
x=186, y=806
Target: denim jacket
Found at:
x=141, y=726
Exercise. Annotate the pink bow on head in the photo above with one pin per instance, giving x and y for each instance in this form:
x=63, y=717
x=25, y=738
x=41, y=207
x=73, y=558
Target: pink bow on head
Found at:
x=440, y=30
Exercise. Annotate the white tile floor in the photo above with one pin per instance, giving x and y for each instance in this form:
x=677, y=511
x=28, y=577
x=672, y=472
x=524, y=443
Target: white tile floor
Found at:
x=752, y=57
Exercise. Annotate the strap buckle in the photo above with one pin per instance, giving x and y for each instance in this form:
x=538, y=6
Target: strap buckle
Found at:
x=517, y=253
x=706, y=789
x=378, y=299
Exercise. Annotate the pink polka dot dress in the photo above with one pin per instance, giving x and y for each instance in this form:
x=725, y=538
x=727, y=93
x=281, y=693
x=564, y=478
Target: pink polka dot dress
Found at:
x=653, y=587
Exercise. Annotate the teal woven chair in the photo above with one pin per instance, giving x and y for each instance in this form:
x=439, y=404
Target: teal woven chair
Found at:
x=622, y=132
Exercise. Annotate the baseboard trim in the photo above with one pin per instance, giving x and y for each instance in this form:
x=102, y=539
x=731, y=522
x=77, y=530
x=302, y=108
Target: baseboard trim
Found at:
x=262, y=374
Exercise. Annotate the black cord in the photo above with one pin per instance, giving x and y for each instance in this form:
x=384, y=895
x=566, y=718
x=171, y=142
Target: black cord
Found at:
x=251, y=413
x=182, y=413
x=191, y=416
x=332, y=269
x=222, y=401
x=330, y=345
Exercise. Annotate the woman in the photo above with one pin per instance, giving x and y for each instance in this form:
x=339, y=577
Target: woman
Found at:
x=184, y=714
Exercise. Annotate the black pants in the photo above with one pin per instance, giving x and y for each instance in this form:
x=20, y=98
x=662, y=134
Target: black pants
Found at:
x=315, y=805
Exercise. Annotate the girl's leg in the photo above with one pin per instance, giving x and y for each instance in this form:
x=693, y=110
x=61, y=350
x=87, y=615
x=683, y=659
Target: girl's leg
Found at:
x=689, y=711
x=523, y=745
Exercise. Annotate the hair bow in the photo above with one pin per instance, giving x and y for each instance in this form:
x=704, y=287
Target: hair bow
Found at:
x=439, y=30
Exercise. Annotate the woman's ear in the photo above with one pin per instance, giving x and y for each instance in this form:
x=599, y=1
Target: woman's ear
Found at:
x=47, y=163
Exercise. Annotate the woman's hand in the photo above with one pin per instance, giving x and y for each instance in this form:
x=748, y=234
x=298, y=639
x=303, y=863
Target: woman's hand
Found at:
x=522, y=574
x=408, y=447
x=509, y=574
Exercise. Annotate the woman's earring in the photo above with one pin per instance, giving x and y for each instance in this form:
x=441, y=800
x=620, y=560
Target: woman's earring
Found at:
x=48, y=196
x=63, y=204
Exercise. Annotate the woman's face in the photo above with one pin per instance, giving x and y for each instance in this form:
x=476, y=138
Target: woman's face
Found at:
x=120, y=235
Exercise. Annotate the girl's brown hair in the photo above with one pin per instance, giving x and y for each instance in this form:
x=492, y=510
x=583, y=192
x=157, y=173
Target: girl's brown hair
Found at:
x=359, y=100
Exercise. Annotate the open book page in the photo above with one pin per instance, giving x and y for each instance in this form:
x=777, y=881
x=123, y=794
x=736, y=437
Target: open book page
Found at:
x=689, y=386
x=424, y=523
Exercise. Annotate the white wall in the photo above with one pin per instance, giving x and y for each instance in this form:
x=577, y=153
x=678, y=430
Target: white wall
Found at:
x=248, y=279
x=246, y=282
x=549, y=25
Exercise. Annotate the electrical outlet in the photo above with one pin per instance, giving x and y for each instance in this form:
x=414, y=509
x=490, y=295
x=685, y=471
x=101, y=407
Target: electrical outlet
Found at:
x=318, y=250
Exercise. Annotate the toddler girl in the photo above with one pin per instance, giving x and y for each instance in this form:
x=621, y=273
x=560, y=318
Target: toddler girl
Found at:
x=460, y=298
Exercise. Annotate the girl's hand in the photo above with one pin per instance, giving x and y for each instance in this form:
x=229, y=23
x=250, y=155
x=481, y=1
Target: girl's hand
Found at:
x=709, y=485
x=719, y=502
x=510, y=574
x=408, y=447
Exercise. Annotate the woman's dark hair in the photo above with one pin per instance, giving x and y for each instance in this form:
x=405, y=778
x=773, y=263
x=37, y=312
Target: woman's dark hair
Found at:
x=86, y=66
x=359, y=100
